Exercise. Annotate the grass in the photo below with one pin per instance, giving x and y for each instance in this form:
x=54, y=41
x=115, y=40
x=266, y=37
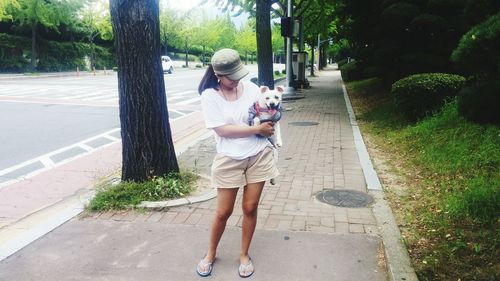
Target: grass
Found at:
x=450, y=213
x=126, y=195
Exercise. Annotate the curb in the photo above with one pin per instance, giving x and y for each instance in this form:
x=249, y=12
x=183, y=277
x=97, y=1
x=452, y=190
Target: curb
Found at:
x=398, y=261
x=155, y=205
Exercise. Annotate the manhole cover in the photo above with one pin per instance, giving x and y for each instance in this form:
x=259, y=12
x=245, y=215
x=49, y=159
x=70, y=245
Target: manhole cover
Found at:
x=345, y=198
x=303, y=123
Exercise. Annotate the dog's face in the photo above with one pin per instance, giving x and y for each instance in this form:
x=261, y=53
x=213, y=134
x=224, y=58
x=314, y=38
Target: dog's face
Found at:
x=271, y=99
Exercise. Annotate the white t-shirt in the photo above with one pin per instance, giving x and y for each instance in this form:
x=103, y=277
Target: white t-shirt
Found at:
x=219, y=111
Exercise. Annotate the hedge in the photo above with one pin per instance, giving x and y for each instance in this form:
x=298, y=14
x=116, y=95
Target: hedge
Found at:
x=479, y=102
x=420, y=94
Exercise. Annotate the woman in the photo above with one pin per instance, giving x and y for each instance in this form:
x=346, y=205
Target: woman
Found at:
x=243, y=159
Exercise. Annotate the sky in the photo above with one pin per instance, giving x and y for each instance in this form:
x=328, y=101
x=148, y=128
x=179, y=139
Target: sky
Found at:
x=185, y=5
x=182, y=5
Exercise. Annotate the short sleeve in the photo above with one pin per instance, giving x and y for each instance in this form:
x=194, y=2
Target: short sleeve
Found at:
x=211, y=109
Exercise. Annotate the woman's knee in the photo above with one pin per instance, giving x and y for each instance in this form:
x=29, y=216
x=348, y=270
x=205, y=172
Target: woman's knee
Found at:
x=223, y=215
x=250, y=209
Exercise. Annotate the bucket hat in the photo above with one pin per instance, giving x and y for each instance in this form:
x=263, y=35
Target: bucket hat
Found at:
x=227, y=62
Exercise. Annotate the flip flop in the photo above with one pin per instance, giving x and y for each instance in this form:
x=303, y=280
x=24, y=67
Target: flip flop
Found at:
x=204, y=264
x=246, y=270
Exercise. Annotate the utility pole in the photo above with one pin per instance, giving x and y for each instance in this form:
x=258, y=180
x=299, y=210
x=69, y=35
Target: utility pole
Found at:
x=289, y=90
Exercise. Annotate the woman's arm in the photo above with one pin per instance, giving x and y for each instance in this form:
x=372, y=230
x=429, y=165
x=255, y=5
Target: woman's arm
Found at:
x=235, y=131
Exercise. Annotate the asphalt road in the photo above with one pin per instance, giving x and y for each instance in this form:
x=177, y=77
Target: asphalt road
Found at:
x=48, y=121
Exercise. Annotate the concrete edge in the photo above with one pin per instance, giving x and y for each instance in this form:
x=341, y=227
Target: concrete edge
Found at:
x=371, y=178
x=212, y=193
x=29, y=229
x=398, y=261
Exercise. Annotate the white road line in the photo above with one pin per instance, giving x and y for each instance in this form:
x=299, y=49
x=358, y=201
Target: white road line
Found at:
x=44, y=159
x=181, y=93
x=60, y=103
x=188, y=101
x=104, y=97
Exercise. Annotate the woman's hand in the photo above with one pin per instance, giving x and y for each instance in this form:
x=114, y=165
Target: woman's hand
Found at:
x=266, y=129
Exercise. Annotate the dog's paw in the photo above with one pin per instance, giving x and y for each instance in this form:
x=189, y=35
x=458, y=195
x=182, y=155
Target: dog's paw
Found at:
x=279, y=143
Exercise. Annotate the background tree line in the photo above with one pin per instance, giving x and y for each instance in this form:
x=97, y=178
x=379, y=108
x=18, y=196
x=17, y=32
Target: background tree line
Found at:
x=50, y=35
x=393, y=39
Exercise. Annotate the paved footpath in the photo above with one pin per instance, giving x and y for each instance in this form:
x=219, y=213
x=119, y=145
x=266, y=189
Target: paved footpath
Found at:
x=297, y=236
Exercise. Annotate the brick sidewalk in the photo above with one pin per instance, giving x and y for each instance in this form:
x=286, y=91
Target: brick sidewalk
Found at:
x=312, y=159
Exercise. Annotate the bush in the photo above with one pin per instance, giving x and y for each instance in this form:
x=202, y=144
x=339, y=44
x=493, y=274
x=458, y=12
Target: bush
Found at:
x=351, y=71
x=341, y=62
x=12, y=58
x=414, y=63
x=479, y=49
x=283, y=71
x=52, y=55
x=419, y=94
x=479, y=102
x=399, y=15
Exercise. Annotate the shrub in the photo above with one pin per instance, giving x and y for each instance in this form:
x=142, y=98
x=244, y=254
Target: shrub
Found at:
x=277, y=72
x=479, y=102
x=341, y=62
x=399, y=14
x=479, y=49
x=283, y=71
x=419, y=94
x=351, y=71
x=414, y=63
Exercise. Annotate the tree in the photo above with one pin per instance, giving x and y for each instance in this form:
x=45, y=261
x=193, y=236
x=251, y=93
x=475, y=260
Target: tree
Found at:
x=278, y=43
x=148, y=148
x=4, y=4
x=264, y=43
x=206, y=35
x=263, y=33
x=246, y=40
x=170, y=29
x=46, y=13
x=96, y=22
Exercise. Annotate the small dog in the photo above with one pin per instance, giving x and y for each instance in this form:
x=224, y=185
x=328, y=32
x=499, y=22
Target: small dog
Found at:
x=268, y=109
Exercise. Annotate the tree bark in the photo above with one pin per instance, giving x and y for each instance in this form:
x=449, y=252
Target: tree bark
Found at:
x=264, y=44
x=34, y=55
x=148, y=149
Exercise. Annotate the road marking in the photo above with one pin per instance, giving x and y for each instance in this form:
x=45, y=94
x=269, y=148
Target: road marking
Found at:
x=49, y=164
x=189, y=101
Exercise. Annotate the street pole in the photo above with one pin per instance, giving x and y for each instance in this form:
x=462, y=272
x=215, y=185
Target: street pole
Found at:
x=319, y=43
x=289, y=90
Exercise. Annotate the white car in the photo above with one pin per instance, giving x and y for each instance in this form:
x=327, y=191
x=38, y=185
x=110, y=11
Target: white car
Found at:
x=167, y=64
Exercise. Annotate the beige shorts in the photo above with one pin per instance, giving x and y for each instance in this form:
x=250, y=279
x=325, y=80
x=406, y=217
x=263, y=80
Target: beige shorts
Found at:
x=231, y=173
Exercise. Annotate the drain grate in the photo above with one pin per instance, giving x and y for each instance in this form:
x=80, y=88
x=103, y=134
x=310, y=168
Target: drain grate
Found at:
x=345, y=198
x=305, y=123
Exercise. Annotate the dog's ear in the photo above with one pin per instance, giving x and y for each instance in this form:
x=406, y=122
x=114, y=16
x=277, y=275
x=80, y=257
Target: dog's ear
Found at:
x=280, y=89
x=263, y=89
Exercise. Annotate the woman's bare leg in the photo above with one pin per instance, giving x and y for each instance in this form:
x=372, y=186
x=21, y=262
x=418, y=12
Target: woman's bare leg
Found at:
x=225, y=205
x=251, y=198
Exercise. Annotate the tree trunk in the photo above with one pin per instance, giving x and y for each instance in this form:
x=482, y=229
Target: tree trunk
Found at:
x=203, y=57
x=34, y=56
x=187, y=65
x=148, y=149
x=264, y=44
x=312, y=60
